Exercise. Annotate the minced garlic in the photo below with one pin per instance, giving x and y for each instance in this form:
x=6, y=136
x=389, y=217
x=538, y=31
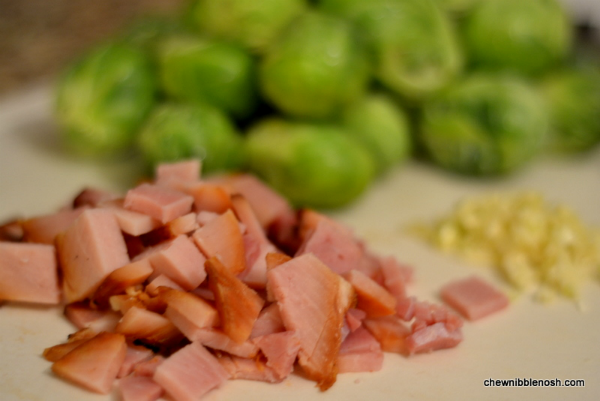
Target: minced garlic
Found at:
x=534, y=245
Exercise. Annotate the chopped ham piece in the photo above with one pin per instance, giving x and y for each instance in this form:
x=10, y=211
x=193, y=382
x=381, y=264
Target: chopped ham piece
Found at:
x=135, y=354
x=148, y=367
x=354, y=318
x=150, y=327
x=186, y=170
x=11, y=231
x=313, y=301
x=209, y=197
x=222, y=237
x=189, y=312
x=238, y=304
x=395, y=277
x=473, y=298
x=216, y=339
x=89, y=250
x=139, y=388
x=281, y=350
x=248, y=369
x=360, y=352
x=28, y=273
x=95, y=363
x=92, y=197
x=334, y=245
x=119, y=280
x=390, y=332
x=372, y=298
x=44, y=229
x=433, y=337
x=162, y=203
x=268, y=321
x=82, y=315
x=180, y=260
x=267, y=204
x=161, y=281
x=185, y=224
x=190, y=373
x=131, y=222
x=54, y=353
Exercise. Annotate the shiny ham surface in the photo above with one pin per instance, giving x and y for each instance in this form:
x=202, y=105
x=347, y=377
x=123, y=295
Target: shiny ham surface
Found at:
x=473, y=297
x=185, y=283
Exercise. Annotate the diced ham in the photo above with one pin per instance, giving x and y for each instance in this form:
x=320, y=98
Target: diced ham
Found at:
x=280, y=350
x=11, y=230
x=216, y=339
x=238, y=304
x=474, y=298
x=95, y=363
x=122, y=303
x=313, y=301
x=390, y=332
x=82, y=315
x=89, y=250
x=209, y=197
x=372, y=298
x=360, y=352
x=190, y=373
x=119, y=280
x=255, y=274
x=131, y=222
x=185, y=170
x=433, y=337
x=268, y=321
x=148, y=367
x=139, y=388
x=185, y=224
x=189, y=312
x=54, y=353
x=44, y=229
x=161, y=281
x=92, y=197
x=28, y=273
x=394, y=277
x=333, y=245
x=135, y=354
x=247, y=369
x=162, y=203
x=266, y=203
x=152, y=328
x=222, y=237
x=180, y=260
x=354, y=318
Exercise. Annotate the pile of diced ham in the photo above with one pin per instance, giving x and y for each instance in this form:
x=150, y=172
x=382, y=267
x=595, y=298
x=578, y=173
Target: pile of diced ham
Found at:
x=185, y=283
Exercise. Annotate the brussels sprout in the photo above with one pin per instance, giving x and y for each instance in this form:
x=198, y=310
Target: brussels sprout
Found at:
x=414, y=45
x=485, y=125
x=192, y=68
x=102, y=99
x=314, y=165
x=573, y=97
x=521, y=36
x=254, y=24
x=382, y=127
x=183, y=131
x=315, y=67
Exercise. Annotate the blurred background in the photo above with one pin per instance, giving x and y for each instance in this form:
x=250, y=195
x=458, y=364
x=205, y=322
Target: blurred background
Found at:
x=37, y=37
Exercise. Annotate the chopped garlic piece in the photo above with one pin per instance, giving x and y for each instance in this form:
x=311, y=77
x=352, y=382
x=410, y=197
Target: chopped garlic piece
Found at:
x=533, y=244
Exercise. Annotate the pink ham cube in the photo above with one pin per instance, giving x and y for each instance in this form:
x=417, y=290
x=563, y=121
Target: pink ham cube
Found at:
x=162, y=203
x=473, y=298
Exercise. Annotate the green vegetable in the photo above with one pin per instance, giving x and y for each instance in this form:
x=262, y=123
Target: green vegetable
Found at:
x=192, y=68
x=459, y=7
x=485, y=125
x=317, y=66
x=254, y=24
x=313, y=165
x=516, y=35
x=382, y=127
x=102, y=99
x=573, y=97
x=183, y=131
x=413, y=43
x=147, y=32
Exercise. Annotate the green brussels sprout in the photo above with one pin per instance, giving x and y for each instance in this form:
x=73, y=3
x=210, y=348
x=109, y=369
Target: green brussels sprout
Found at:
x=459, y=7
x=382, y=127
x=573, y=98
x=254, y=24
x=192, y=68
x=485, y=125
x=103, y=98
x=413, y=43
x=313, y=164
x=520, y=36
x=184, y=131
x=316, y=67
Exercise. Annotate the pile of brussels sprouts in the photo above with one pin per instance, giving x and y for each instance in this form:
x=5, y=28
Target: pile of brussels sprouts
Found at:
x=319, y=98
